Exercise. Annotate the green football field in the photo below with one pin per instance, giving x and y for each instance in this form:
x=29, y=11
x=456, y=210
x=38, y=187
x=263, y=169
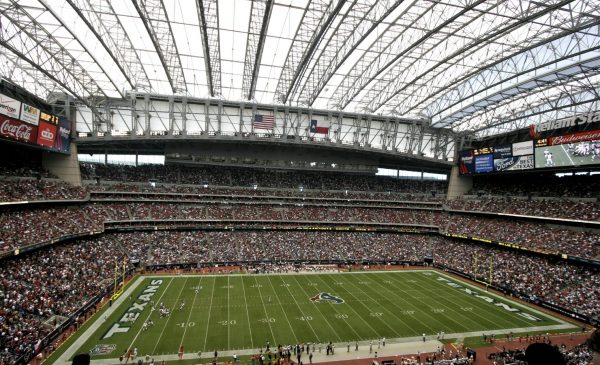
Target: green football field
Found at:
x=231, y=312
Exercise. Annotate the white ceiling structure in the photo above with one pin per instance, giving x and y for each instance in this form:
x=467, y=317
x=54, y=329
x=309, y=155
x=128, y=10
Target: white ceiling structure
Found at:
x=488, y=66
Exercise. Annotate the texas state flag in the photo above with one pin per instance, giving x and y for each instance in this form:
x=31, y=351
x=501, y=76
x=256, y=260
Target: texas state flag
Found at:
x=315, y=128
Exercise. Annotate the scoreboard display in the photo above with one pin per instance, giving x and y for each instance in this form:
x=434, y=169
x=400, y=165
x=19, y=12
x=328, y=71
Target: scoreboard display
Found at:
x=575, y=149
x=500, y=158
x=24, y=123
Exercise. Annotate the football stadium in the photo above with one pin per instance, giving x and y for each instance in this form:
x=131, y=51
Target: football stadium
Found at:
x=288, y=182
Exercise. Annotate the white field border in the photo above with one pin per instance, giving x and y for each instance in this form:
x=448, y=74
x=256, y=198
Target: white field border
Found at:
x=83, y=337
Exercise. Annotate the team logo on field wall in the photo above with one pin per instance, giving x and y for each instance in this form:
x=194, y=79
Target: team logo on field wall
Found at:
x=323, y=296
x=104, y=349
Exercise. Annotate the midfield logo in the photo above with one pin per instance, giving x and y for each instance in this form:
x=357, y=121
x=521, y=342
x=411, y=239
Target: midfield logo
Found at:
x=327, y=297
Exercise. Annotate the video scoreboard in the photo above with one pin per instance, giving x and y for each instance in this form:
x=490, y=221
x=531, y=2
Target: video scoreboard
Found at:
x=575, y=149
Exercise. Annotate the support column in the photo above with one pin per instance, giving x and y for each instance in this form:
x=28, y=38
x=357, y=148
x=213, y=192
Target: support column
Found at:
x=65, y=167
x=458, y=184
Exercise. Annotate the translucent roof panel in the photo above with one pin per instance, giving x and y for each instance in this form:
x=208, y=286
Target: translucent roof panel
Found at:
x=482, y=66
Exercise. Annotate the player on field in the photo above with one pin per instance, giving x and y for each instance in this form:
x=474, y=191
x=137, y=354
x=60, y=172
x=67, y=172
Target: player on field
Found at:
x=595, y=149
x=549, y=158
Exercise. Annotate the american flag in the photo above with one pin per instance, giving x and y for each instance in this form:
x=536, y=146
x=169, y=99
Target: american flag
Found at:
x=264, y=121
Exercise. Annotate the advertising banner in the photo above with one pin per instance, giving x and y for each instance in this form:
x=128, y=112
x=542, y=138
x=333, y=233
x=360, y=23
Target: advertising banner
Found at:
x=514, y=163
x=17, y=130
x=9, y=106
x=575, y=137
x=484, y=163
x=522, y=148
x=503, y=151
x=30, y=114
x=64, y=133
x=46, y=134
x=536, y=130
x=465, y=162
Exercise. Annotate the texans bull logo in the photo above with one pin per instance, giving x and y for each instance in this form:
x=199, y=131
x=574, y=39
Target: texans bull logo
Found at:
x=327, y=297
x=104, y=349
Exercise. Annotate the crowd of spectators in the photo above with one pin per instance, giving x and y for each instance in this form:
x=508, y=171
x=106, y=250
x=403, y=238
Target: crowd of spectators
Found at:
x=541, y=185
x=57, y=280
x=569, y=286
x=41, y=288
x=578, y=355
x=249, y=177
x=37, y=189
x=10, y=167
x=555, y=208
x=259, y=212
x=23, y=226
x=563, y=284
x=526, y=234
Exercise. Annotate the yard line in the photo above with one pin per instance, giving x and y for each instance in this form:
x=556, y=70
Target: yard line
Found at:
x=247, y=313
x=404, y=300
x=351, y=307
x=568, y=156
x=265, y=308
x=364, y=305
x=209, y=310
x=191, y=310
x=450, y=318
x=149, y=314
x=169, y=317
x=322, y=315
x=462, y=316
x=508, y=322
x=362, y=292
x=302, y=312
x=283, y=310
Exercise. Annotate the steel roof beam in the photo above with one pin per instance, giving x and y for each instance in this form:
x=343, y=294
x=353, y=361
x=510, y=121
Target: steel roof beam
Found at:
x=208, y=17
x=479, y=77
x=318, y=16
x=260, y=14
x=101, y=19
x=34, y=80
x=156, y=21
x=552, y=96
x=419, y=30
x=84, y=47
x=28, y=39
x=565, y=106
x=362, y=18
x=557, y=74
x=411, y=67
x=527, y=98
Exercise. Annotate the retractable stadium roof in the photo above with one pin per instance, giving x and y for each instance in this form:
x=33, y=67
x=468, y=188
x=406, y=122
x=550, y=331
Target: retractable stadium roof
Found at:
x=488, y=66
